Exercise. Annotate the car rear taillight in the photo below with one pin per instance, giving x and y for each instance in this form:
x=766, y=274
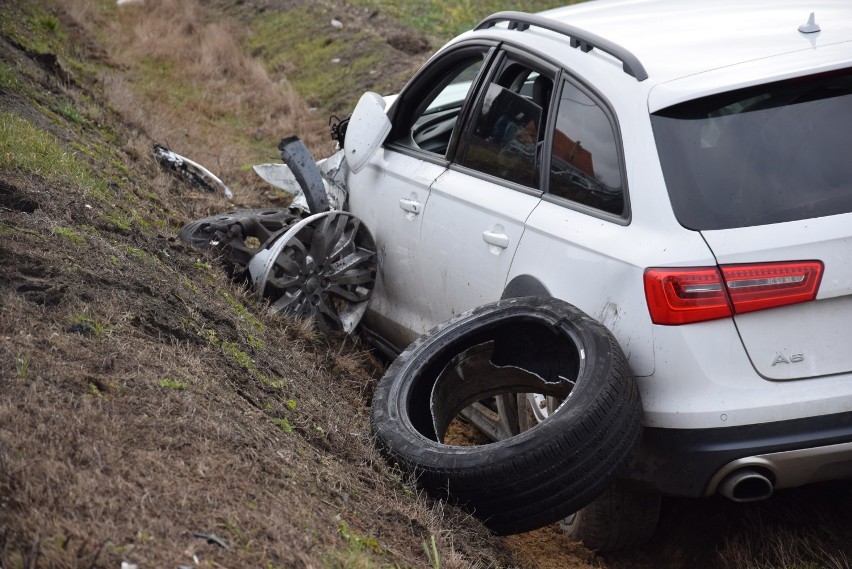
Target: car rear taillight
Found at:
x=686, y=295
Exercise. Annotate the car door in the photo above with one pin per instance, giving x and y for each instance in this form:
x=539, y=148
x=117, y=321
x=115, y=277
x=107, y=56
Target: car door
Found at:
x=390, y=193
x=478, y=206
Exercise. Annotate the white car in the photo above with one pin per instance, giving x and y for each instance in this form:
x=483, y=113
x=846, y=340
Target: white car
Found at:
x=677, y=170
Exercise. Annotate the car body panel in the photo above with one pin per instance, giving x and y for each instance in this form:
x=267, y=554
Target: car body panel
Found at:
x=706, y=377
x=803, y=340
x=378, y=194
x=470, y=233
x=675, y=39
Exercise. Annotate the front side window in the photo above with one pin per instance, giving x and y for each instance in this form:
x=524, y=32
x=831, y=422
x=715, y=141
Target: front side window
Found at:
x=431, y=108
x=584, y=163
x=766, y=154
x=508, y=127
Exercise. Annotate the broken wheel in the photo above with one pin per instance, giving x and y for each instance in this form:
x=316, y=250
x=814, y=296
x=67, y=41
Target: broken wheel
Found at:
x=529, y=478
x=322, y=268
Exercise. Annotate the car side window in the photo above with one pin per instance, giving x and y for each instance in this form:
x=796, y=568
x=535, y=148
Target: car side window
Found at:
x=434, y=103
x=584, y=164
x=508, y=126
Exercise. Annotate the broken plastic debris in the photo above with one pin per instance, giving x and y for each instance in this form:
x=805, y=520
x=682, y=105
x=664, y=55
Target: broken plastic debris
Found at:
x=194, y=172
x=282, y=177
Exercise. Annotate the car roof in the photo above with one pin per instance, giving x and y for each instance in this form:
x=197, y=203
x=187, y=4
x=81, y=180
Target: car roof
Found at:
x=680, y=38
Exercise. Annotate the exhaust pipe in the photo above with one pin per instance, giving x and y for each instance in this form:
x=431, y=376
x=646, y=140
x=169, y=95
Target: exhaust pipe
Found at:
x=746, y=485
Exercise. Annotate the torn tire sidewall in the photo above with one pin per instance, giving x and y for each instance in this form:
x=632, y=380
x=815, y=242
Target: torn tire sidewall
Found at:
x=437, y=347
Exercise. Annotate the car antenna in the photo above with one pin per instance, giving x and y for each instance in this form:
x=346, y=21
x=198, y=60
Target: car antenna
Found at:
x=810, y=26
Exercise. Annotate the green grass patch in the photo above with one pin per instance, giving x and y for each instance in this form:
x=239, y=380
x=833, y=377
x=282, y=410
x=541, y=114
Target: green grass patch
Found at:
x=22, y=366
x=362, y=551
x=248, y=317
x=284, y=425
x=90, y=326
x=120, y=221
x=9, y=77
x=70, y=235
x=68, y=111
x=173, y=384
x=447, y=19
x=32, y=27
x=27, y=149
x=321, y=68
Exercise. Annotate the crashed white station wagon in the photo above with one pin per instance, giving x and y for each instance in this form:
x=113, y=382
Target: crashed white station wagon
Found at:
x=677, y=171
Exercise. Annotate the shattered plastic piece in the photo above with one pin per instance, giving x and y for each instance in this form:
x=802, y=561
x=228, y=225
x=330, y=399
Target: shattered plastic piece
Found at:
x=296, y=155
x=125, y=564
x=332, y=170
x=280, y=176
x=194, y=172
x=336, y=24
x=121, y=2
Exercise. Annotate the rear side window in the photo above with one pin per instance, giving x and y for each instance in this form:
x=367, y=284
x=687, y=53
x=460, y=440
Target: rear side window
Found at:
x=584, y=162
x=774, y=153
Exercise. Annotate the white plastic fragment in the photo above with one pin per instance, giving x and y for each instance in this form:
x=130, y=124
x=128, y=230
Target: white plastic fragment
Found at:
x=335, y=23
x=184, y=165
x=280, y=176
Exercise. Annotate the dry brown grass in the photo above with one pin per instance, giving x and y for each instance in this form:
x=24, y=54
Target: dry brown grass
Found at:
x=183, y=79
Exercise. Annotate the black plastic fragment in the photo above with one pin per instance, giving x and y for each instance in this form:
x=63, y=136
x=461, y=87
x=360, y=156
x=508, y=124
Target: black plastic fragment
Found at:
x=297, y=156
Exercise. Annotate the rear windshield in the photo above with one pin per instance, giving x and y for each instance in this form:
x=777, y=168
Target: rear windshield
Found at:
x=774, y=153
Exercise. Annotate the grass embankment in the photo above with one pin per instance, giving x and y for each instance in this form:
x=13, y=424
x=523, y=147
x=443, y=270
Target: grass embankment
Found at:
x=151, y=412
x=332, y=52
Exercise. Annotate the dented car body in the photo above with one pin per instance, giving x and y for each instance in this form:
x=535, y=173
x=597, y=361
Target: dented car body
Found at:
x=663, y=195
x=688, y=192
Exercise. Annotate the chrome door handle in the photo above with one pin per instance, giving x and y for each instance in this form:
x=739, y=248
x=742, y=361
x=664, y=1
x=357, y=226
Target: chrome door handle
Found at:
x=411, y=206
x=498, y=239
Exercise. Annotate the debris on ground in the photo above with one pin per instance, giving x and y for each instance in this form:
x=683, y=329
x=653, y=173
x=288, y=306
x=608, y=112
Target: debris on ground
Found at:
x=191, y=171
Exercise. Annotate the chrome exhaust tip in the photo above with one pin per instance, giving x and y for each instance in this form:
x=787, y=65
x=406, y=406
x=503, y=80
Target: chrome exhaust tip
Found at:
x=746, y=485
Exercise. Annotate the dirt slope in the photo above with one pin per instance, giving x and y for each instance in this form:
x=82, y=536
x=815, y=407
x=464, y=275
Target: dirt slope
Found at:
x=150, y=412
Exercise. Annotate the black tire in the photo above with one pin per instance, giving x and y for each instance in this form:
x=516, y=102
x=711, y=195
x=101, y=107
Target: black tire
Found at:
x=260, y=223
x=621, y=517
x=536, y=477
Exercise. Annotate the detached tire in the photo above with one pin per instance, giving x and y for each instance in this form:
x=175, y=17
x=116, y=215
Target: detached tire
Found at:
x=520, y=345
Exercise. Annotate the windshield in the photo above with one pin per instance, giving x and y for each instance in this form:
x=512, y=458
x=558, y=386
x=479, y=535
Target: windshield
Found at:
x=774, y=153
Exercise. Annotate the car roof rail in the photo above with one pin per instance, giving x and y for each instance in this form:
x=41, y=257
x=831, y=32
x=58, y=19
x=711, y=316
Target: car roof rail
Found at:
x=586, y=41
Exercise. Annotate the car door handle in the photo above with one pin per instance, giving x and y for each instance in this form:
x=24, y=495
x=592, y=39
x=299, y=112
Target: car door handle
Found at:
x=498, y=239
x=411, y=206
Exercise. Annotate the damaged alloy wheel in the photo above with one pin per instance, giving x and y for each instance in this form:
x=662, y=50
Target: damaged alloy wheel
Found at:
x=538, y=346
x=322, y=268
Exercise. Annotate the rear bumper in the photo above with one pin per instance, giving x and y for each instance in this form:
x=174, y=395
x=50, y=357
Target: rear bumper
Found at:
x=692, y=462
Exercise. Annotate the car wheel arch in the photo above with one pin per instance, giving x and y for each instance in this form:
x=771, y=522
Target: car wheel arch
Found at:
x=525, y=285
